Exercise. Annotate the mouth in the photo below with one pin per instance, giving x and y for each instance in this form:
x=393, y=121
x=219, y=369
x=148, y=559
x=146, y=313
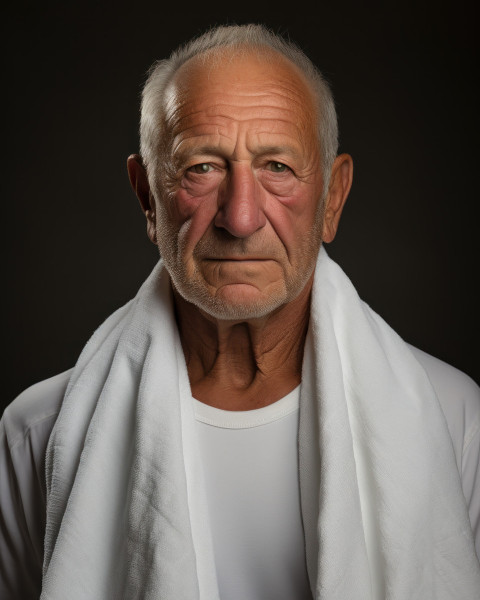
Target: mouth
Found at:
x=237, y=259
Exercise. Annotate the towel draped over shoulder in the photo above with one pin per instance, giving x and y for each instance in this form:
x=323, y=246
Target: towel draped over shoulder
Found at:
x=383, y=511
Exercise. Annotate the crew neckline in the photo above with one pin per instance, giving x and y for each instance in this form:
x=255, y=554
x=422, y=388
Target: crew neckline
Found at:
x=243, y=419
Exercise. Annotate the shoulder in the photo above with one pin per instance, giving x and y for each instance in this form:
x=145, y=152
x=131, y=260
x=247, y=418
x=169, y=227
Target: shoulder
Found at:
x=456, y=391
x=459, y=398
x=447, y=380
x=37, y=407
x=25, y=429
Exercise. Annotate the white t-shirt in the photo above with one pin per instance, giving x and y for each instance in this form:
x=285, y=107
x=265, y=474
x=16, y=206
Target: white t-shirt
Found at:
x=251, y=473
x=251, y=479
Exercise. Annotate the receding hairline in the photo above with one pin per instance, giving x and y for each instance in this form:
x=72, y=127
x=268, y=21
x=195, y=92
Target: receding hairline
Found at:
x=212, y=58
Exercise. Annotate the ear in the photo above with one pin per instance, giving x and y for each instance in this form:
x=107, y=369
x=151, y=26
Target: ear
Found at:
x=139, y=182
x=338, y=190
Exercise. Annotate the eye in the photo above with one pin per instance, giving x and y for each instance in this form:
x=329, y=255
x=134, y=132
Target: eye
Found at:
x=201, y=168
x=277, y=167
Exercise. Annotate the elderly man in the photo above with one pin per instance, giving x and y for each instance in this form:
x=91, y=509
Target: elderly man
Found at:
x=245, y=428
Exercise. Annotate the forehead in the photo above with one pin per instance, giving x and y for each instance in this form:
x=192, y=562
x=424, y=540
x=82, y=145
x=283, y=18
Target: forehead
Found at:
x=260, y=92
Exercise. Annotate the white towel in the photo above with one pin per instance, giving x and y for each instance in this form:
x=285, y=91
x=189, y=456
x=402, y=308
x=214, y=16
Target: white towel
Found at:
x=383, y=511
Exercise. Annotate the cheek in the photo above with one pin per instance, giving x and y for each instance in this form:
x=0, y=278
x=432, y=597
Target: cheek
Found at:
x=193, y=215
x=294, y=221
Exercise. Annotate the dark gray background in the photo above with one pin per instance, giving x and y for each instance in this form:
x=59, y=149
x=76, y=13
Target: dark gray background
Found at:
x=403, y=77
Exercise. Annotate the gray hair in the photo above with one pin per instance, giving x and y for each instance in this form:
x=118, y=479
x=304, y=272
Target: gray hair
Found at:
x=235, y=37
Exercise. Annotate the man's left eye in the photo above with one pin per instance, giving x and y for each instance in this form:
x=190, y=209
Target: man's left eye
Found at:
x=201, y=168
x=277, y=167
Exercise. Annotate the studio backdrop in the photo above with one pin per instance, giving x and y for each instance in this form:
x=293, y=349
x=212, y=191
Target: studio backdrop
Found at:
x=75, y=244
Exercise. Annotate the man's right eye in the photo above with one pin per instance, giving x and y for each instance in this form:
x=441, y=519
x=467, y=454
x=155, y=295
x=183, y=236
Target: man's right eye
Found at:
x=201, y=168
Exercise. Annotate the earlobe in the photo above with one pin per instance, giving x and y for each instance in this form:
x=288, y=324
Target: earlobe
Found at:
x=339, y=188
x=151, y=226
x=139, y=182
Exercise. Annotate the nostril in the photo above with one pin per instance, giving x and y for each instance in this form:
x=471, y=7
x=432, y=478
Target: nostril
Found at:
x=241, y=219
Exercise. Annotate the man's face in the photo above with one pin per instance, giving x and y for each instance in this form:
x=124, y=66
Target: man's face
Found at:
x=238, y=204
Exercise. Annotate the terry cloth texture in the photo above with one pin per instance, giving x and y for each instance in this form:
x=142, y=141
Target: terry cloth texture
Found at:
x=382, y=505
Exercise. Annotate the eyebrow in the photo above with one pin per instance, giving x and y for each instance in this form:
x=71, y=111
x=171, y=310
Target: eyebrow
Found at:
x=216, y=150
x=190, y=151
x=289, y=150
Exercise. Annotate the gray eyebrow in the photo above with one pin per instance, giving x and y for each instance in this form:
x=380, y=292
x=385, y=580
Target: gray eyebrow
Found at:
x=216, y=151
x=277, y=150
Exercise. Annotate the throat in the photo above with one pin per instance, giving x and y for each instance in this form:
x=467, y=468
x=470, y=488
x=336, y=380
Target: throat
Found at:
x=234, y=390
x=243, y=365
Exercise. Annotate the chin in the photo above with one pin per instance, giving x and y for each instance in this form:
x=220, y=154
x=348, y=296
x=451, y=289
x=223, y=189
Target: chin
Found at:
x=236, y=303
x=228, y=311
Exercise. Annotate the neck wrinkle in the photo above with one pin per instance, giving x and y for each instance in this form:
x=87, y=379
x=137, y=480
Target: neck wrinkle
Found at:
x=245, y=364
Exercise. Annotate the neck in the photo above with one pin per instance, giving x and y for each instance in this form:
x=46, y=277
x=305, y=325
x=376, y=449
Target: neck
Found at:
x=243, y=365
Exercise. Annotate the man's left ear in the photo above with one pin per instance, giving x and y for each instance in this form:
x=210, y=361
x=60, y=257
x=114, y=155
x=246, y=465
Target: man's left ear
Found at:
x=338, y=190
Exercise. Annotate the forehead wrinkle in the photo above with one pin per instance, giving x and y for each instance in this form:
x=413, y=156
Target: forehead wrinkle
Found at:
x=218, y=117
x=218, y=140
x=260, y=110
x=293, y=137
x=194, y=145
x=207, y=129
x=259, y=73
x=241, y=97
x=186, y=148
x=241, y=102
x=227, y=127
x=286, y=97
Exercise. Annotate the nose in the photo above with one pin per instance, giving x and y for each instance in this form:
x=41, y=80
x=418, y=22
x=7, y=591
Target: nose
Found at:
x=240, y=210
